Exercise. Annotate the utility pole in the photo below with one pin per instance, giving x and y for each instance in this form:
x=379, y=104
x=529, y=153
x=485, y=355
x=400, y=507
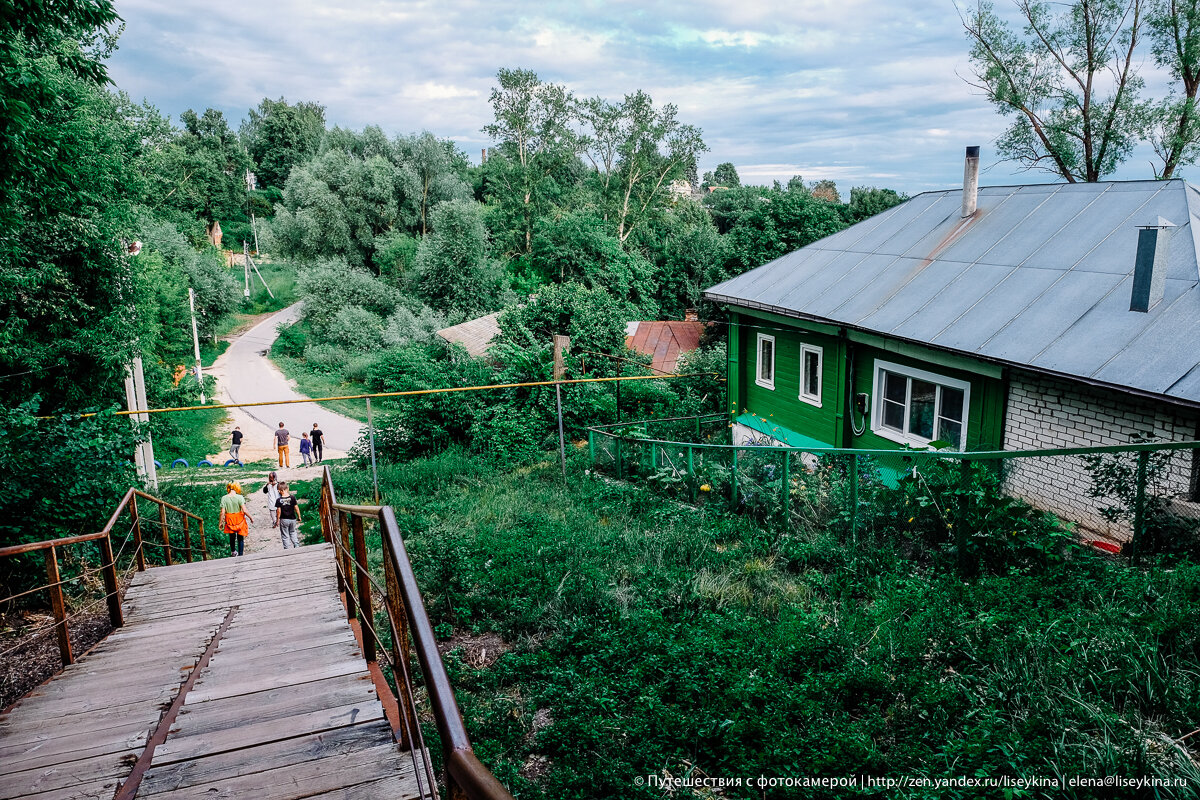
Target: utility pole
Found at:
x=145, y=455
x=246, y=267
x=196, y=343
x=254, y=227
x=261, y=279
x=561, y=344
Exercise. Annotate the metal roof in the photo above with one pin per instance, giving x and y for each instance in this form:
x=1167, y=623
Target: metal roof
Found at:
x=475, y=335
x=1040, y=276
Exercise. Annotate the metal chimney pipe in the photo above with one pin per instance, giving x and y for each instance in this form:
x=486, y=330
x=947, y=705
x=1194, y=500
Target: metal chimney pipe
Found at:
x=970, y=182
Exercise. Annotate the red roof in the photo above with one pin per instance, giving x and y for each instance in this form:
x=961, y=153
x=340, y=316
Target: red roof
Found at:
x=664, y=342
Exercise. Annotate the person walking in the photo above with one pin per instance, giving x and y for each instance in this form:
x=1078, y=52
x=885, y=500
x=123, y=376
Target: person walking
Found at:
x=287, y=517
x=305, y=450
x=282, y=437
x=234, y=518
x=318, y=443
x=271, y=490
x=236, y=445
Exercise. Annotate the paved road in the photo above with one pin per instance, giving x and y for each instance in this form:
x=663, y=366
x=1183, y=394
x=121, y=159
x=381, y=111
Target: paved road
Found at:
x=245, y=375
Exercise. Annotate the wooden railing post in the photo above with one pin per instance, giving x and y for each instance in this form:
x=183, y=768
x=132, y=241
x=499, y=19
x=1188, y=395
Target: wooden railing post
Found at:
x=59, y=607
x=138, y=551
x=166, y=535
x=203, y=540
x=109, y=567
x=187, y=538
x=399, y=618
x=366, y=614
x=344, y=559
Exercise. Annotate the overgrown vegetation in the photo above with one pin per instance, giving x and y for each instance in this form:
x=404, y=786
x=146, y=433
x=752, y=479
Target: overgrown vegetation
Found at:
x=654, y=637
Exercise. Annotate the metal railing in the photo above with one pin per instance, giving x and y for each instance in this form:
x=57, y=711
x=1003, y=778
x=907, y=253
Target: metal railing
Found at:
x=407, y=630
x=1129, y=498
x=107, y=563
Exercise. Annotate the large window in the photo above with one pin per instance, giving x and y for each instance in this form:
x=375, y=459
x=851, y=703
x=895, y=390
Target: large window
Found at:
x=810, y=374
x=765, y=376
x=916, y=407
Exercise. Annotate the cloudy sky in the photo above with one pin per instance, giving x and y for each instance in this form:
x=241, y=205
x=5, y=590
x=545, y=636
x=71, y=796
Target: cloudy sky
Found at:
x=866, y=92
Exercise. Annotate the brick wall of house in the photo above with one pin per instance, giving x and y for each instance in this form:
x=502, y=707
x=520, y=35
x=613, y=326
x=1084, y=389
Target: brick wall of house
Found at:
x=1044, y=412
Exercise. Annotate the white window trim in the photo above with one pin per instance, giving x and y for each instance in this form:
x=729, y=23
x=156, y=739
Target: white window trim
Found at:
x=877, y=426
x=812, y=399
x=762, y=337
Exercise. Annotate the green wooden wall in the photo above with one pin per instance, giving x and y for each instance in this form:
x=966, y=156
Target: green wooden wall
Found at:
x=827, y=424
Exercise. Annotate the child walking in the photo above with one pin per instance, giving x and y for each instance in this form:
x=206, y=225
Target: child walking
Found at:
x=306, y=450
x=287, y=516
x=234, y=517
x=271, y=490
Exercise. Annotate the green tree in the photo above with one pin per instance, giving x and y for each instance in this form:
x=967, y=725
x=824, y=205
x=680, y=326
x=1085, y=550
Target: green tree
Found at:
x=762, y=224
x=201, y=170
x=578, y=247
x=593, y=318
x=1172, y=124
x=279, y=136
x=533, y=126
x=867, y=201
x=454, y=271
x=724, y=175
x=1069, y=80
x=429, y=172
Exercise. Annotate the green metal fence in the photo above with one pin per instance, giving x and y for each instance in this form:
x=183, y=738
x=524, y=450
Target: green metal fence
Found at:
x=980, y=506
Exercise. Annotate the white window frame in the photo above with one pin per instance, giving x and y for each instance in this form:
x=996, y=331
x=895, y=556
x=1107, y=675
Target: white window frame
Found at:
x=905, y=437
x=805, y=349
x=758, y=362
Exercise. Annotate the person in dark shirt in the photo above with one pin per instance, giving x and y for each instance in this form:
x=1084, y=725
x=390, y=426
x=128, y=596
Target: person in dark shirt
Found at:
x=237, y=443
x=318, y=440
x=287, y=516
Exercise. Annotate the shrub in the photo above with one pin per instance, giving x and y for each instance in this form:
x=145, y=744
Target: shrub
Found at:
x=508, y=438
x=291, y=342
x=355, y=329
x=327, y=358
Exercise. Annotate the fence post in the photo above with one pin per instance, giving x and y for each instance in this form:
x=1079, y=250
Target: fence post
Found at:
x=691, y=474
x=58, y=606
x=786, y=487
x=366, y=614
x=400, y=674
x=592, y=447
x=203, y=541
x=344, y=559
x=1139, y=506
x=187, y=538
x=166, y=535
x=138, y=550
x=854, y=500
x=697, y=427
x=733, y=481
x=960, y=520
x=108, y=566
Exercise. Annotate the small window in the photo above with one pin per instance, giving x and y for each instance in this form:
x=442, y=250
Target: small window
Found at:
x=917, y=407
x=766, y=362
x=810, y=374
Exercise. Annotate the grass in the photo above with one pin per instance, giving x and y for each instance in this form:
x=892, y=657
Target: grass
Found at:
x=316, y=384
x=652, y=637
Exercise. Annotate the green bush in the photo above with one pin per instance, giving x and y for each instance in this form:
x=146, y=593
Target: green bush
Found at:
x=291, y=342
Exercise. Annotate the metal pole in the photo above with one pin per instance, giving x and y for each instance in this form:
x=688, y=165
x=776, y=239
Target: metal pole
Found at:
x=254, y=227
x=1139, y=506
x=196, y=343
x=374, y=471
x=787, y=486
x=561, y=344
x=245, y=268
x=261, y=279
x=131, y=403
x=853, y=500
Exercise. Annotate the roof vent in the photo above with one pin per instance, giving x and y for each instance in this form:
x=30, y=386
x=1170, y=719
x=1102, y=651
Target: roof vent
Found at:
x=1150, y=266
x=970, y=182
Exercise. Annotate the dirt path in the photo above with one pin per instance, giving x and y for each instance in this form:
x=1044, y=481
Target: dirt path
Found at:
x=263, y=537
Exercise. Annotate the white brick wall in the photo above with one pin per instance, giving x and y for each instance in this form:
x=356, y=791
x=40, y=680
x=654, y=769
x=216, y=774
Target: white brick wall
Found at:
x=1044, y=412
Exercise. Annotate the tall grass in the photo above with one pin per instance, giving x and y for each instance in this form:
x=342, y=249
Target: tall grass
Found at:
x=657, y=636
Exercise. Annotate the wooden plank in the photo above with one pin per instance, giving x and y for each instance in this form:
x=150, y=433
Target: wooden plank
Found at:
x=305, y=779
x=94, y=778
x=338, y=742
x=307, y=673
x=397, y=788
x=232, y=578
x=200, y=718
x=184, y=748
x=116, y=742
x=30, y=748
x=270, y=659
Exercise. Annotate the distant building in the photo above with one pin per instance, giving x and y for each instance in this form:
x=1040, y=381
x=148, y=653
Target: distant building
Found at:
x=475, y=335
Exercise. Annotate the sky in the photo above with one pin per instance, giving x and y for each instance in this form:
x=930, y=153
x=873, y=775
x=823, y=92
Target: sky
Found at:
x=863, y=92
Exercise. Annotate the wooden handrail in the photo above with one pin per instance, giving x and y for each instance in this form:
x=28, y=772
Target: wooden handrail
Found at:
x=108, y=565
x=465, y=776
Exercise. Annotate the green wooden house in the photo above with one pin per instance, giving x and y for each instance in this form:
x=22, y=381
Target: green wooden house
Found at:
x=1012, y=317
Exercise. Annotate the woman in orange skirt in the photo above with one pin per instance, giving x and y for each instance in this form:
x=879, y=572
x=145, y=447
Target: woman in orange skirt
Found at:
x=234, y=518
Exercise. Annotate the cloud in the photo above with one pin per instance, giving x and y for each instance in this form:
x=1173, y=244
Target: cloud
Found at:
x=852, y=90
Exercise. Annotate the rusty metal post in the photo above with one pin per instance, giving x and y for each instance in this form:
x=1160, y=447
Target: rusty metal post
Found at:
x=138, y=551
x=111, y=588
x=166, y=535
x=366, y=613
x=343, y=556
x=59, y=607
x=187, y=538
